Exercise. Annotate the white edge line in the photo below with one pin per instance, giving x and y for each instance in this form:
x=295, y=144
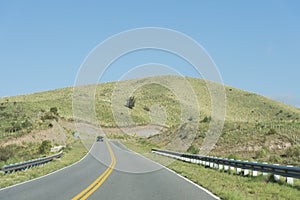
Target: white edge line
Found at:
x=21, y=183
x=188, y=180
x=170, y=170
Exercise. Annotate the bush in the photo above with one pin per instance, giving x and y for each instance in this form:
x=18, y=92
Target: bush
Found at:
x=206, y=119
x=54, y=110
x=26, y=124
x=233, y=156
x=130, y=102
x=16, y=126
x=271, y=131
x=45, y=147
x=193, y=149
x=261, y=153
x=5, y=153
x=293, y=151
x=274, y=159
x=48, y=116
x=146, y=108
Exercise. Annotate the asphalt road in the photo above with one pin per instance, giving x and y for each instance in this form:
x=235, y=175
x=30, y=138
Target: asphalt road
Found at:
x=131, y=177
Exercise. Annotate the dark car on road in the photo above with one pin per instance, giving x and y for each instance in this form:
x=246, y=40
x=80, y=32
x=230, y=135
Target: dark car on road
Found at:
x=99, y=138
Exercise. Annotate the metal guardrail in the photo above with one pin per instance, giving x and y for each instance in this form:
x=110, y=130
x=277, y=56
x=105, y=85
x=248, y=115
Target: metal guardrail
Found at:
x=286, y=171
x=30, y=163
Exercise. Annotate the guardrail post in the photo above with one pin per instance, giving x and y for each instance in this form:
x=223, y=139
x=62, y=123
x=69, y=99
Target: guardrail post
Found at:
x=202, y=162
x=265, y=173
x=195, y=160
x=187, y=159
x=254, y=173
x=216, y=166
x=276, y=177
x=289, y=180
x=226, y=168
x=220, y=167
x=231, y=167
x=206, y=163
x=238, y=170
x=246, y=171
x=211, y=164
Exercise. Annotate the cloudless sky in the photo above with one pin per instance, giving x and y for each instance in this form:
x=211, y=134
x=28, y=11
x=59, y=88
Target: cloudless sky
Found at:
x=255, y=44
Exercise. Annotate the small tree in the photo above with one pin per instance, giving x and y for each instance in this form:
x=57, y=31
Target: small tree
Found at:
x=146, y=108
x=45, y=147
x=206, y=119
x=26, y=124
x=130, y=102
x=16, y=126
x=272, y=131
x=193, y=149
x=54, y=110
x=5, y=153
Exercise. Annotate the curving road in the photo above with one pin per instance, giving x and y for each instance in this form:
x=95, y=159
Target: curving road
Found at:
x=109, y=171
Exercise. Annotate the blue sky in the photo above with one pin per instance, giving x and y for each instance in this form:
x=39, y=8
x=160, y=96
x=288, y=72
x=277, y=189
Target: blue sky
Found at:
x=255, y=44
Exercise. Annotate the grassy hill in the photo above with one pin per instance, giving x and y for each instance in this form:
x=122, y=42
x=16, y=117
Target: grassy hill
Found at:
x=256, y=127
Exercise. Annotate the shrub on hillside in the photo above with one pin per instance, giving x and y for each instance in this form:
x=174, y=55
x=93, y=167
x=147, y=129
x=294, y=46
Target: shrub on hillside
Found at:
x=263, y=152
x=5, y=153
x=193, y=149
x=206, y=119
x=16, y=126
x=45, y=147
x=272, y=131
x=293, y=151
x=233, y=156
x=275, y=159
x=146, y=108
x=54, y=110
x=130, y=102
x=26, y=124
x=49, y=116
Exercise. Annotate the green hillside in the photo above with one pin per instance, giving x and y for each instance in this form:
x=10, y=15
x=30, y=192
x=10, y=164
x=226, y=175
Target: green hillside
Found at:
x=256, y=127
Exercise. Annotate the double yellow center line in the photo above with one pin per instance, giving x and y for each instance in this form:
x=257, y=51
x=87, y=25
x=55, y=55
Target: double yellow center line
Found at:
x=98, y=182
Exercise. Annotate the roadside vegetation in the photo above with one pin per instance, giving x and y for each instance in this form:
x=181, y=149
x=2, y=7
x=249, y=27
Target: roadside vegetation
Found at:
x=223, y=184
x=256, y=128
x=72, y=153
